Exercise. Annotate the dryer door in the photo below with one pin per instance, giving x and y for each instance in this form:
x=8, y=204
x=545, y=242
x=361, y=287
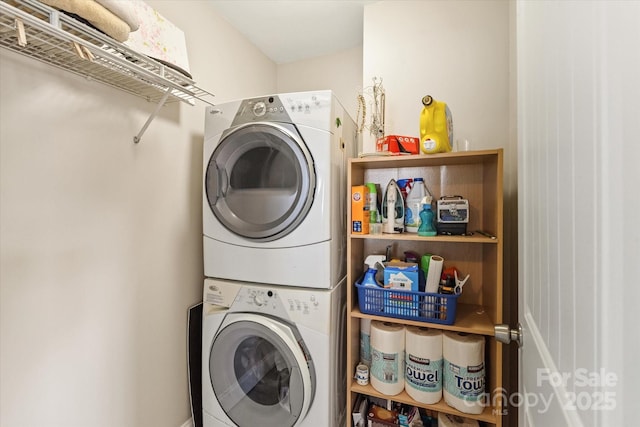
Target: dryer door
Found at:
x=260, y=180
x=260, y=371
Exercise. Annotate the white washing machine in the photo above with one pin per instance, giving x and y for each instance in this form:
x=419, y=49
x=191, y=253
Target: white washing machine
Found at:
x=274, y=190
x=273, y=356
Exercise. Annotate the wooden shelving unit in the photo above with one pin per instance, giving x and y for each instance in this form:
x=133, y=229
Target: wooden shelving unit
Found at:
x=478, y=177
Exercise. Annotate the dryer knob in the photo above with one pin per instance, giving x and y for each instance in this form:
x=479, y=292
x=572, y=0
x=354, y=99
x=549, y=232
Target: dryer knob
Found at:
x=259, y=109
x=259, y=300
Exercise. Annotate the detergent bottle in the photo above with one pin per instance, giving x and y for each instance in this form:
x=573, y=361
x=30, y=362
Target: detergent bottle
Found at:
x=414, y=205
x=372, y=262
x=436, y=127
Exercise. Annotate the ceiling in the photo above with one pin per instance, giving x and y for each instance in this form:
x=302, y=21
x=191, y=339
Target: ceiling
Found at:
x=292, y=30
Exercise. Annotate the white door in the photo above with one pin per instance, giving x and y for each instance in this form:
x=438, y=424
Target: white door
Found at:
x=578, y=184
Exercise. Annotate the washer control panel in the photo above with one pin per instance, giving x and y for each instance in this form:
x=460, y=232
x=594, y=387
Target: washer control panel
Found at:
x=220, y=293
x=311, y=307
x=277, y=302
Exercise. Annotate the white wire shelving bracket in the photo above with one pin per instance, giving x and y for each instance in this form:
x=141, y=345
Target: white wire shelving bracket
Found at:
x=38, y=31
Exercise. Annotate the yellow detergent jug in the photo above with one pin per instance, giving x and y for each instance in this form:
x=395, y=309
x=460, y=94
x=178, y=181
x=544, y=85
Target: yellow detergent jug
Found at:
x=436, y=127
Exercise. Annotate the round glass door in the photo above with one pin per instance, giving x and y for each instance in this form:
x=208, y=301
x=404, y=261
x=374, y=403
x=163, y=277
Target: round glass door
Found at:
x=260, y=180
x=260, y=374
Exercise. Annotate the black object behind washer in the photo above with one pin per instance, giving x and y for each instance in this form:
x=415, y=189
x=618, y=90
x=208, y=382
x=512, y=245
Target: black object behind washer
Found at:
x=194, y=359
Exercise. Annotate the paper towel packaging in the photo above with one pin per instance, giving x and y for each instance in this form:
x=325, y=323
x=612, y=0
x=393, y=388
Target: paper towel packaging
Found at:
x=365, y=341
x=464, y=371
x=423, y=361
x=387, y=357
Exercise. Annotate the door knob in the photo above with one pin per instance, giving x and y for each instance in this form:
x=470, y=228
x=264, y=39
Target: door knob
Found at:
x=506, y=335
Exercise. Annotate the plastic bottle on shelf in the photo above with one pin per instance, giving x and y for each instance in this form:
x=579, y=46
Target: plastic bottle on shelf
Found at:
x=426, y=220
x=414, y=205
x=405, y=186
x=372, y=263
x=373, y=203
x=436, y=127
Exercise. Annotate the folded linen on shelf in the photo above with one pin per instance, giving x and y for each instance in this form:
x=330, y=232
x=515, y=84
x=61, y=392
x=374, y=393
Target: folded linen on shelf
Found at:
x=123, y=10
x=95, y=14
x=159, y=38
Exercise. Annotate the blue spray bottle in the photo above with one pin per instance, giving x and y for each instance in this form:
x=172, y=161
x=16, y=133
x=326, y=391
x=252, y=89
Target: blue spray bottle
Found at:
x=372, y=262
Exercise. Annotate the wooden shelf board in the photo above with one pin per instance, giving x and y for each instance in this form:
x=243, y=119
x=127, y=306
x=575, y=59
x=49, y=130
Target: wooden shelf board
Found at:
x=469, y=318
x=421, y=160
x=488, y=415
x=414, y=237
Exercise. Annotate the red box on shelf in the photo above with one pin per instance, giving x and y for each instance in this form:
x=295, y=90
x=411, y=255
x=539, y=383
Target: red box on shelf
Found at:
x=398, y=144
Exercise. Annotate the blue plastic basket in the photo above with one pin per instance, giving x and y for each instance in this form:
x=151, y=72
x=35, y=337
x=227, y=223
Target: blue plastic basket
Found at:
x=409, y=305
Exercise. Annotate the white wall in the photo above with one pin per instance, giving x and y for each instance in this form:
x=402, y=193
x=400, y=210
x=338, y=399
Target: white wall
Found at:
x=456, y=51
x=340, y=72
x=100, y=239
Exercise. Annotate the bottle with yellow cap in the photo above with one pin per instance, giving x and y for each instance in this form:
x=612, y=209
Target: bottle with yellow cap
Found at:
x=436, y=127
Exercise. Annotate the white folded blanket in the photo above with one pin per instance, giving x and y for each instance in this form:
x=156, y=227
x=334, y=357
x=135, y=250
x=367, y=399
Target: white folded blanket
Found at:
x=96, y=14
x=123, y=10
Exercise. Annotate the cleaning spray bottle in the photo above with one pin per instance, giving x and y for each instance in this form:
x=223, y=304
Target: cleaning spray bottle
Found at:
x=372, y=262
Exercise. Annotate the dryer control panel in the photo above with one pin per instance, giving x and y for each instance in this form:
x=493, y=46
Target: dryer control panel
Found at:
x=267, y=109
x=310, y=108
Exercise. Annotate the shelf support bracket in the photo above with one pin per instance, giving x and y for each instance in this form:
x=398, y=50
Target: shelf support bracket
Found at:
x=136, y=139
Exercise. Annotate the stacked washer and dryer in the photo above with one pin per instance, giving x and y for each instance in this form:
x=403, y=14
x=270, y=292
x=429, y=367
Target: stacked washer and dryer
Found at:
x=274, y=225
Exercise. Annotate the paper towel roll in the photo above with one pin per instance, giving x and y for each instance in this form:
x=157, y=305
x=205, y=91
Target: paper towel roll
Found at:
x=432, y=284
x=423, y=364
x=365, y=341
x=449, y=420
x=463, y=371
x=387, y=357
x=433, y=275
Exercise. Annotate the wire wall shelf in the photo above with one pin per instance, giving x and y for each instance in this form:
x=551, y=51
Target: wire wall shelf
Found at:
x=33, y=29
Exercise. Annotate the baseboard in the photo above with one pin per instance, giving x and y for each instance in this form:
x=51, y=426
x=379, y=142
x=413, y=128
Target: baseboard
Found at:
x=188, y=423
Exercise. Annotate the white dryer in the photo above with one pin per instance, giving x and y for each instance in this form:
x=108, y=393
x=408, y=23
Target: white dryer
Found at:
x=274, y=190
x=273, y=356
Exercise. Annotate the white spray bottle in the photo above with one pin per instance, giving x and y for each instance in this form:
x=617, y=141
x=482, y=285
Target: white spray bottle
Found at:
x=372, y=262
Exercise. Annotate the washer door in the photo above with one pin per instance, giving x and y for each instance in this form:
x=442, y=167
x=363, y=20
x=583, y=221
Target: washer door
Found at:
x=260, y=372
x=260, y=180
